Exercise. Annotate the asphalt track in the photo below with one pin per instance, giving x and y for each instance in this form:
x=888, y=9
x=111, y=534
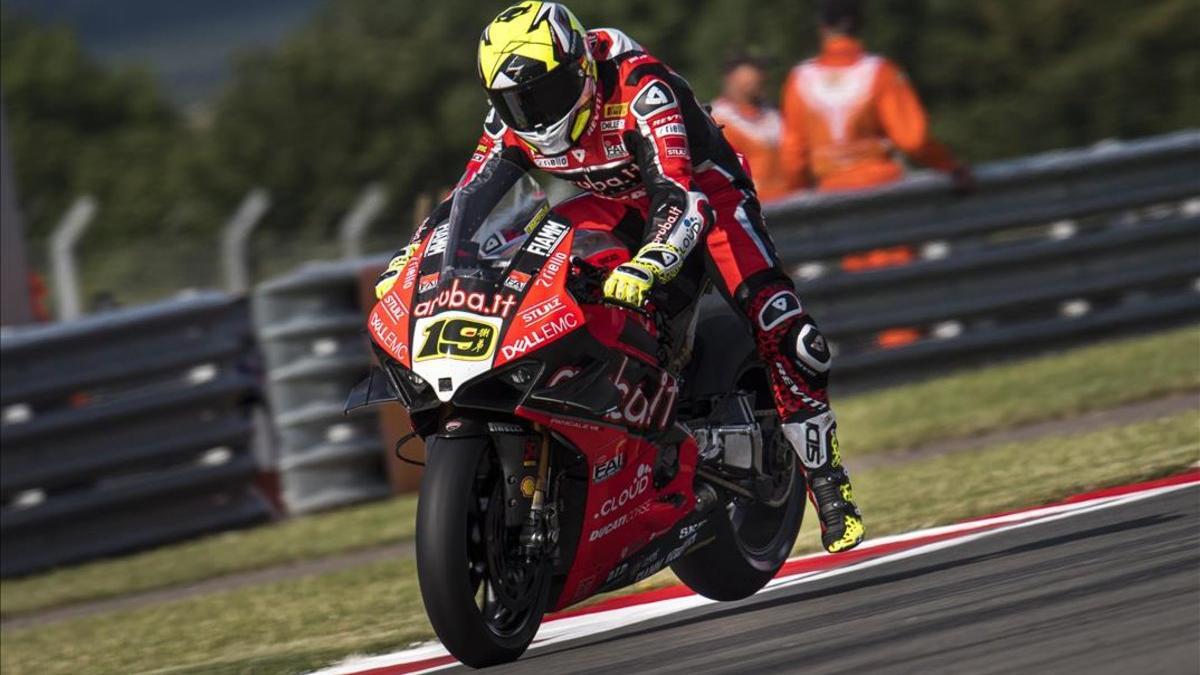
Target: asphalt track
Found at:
x=1115, y=590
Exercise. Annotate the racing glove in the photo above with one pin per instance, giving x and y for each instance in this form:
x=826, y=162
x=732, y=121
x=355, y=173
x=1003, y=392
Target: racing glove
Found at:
x=387, y=279
x=630, y=283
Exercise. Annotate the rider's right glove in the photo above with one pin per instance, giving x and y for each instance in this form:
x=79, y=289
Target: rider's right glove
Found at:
x=630, y=283
x=388, y=279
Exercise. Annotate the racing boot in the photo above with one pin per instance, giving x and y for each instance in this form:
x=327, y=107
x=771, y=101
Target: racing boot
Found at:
x=814, y=438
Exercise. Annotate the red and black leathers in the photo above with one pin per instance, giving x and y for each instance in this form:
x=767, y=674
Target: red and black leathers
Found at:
x=655, y=169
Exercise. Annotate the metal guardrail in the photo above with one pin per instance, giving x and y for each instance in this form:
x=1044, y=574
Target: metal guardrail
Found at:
x=310, y=326
x=126, y=430
x=1052, y=249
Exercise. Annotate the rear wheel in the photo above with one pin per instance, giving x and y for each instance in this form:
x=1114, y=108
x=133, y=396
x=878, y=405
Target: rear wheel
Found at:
x=753, y=536
x=483, y=598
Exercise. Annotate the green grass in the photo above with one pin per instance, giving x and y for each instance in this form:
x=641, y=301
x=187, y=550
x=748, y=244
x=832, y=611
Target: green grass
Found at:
x=304, y=623
x=290, y=541
x=981, y=400
x=280, y=627
x=1034, y=390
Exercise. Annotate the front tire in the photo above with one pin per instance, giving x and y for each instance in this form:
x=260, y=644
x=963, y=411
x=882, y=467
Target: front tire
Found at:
x=484, y=602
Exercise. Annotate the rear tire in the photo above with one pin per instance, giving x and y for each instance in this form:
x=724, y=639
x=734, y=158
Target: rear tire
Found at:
x=732, y=568
x=484, y=608
x=753, y=539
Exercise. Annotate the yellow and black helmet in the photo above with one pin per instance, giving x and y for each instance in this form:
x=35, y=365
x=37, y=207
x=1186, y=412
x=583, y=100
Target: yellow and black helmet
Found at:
x=539, y=74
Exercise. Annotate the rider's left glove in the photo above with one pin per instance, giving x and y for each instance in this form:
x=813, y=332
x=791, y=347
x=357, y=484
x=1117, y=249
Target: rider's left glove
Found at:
x=630, y=283
x=387, y=279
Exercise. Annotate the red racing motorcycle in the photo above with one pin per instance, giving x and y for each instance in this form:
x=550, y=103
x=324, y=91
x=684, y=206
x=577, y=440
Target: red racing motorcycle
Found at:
x=573, y=447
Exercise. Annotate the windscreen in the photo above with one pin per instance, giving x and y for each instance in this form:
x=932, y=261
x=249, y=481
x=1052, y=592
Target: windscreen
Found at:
x=489, y=220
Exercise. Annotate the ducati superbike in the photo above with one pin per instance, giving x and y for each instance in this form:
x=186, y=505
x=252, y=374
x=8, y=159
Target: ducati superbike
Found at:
x=573, y=447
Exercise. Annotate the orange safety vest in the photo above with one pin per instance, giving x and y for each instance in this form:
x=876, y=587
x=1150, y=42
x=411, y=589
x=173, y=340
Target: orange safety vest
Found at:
x=754, y=131
x=844, y=114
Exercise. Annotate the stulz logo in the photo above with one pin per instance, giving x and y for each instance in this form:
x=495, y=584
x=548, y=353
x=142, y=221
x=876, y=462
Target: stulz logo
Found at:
x=547, y=237
x=543, y=310
x=551, y=269
x=454, y=297
x=607, y=469
x=394, y=307
x=640, y=484
x=536, y=338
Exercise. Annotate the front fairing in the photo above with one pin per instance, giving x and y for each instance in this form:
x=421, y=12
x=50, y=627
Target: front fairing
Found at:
x=449, y=324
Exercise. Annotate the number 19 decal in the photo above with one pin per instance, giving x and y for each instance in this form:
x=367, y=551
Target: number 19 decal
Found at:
x=460, y=339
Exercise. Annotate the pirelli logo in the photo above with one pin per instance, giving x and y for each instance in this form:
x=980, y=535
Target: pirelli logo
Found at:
x=616, y=109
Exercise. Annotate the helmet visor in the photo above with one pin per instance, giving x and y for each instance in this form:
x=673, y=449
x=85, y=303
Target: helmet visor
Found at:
x=543, y=101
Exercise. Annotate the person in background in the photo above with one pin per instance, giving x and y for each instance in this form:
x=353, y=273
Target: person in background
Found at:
x=750, y=125
x=846, y=112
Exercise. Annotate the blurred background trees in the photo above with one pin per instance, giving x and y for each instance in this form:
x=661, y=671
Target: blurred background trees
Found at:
x=371, y=90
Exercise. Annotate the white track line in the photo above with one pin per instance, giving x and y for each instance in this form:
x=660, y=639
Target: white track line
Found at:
x=587, y=625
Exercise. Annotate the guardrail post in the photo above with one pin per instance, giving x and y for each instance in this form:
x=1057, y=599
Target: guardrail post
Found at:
x=62, y=256
x=309, y=325
x=354, y=226
x=234, y=236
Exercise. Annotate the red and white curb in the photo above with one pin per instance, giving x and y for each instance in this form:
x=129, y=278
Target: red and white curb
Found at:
x=630, y=609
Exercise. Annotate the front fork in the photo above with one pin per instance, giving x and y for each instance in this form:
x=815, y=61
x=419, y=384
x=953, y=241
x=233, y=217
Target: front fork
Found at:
x=534, y=533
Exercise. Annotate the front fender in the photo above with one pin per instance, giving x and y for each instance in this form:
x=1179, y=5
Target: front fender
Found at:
x=516, y=448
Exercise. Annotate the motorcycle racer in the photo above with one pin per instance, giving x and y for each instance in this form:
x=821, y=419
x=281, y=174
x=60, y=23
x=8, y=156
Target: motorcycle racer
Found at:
x=594, y=108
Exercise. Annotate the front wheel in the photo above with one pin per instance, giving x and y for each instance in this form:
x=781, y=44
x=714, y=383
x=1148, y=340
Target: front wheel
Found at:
x=484, y=599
